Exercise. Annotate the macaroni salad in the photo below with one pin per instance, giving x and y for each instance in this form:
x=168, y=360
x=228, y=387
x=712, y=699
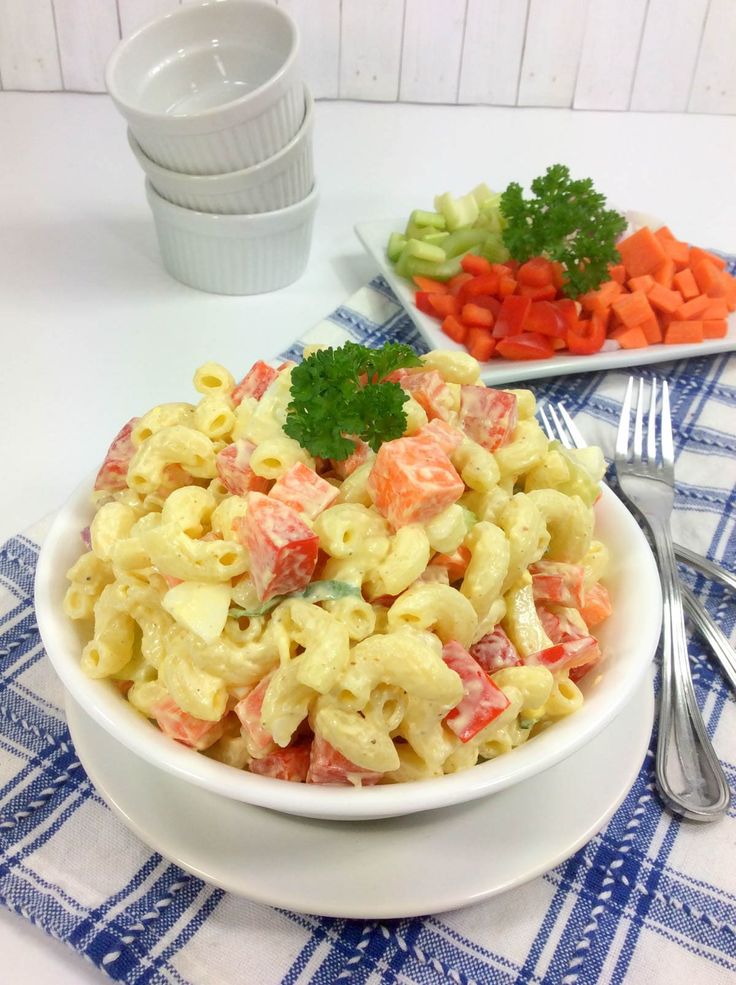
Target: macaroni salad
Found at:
x=392, y=616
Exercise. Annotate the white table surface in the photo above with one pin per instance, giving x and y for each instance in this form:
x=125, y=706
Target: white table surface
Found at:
x=93, y=331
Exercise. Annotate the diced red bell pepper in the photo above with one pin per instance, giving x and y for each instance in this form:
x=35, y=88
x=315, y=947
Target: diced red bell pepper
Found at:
x=444, y=304
x=291, y=763
x=545, y=318
x=249, y=710
x=283, y=549
x=546, y=293
x=475, y=314
x=328, y=766
x=233, y=468
x=482, y=700
x=255, y=382
x=568, y=311
x=528, y=345
x=487, y=416
x=588, y=337
x=113, y=474
x=482, y=284
x=480, y=344
x=490, y=303
x=475, y=265
x=455, y=329
x=455, y=283
x=348, y=465
x=495, y=651
x=506, y=287
x=430, y=390
x=421, y=300
x=569, y=653
x=536, y=272
x=512, y=316
x=558, y=583
x=455, y=564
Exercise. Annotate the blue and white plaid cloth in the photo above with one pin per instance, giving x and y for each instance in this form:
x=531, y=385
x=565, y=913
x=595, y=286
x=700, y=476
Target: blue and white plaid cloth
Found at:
x=650, y=899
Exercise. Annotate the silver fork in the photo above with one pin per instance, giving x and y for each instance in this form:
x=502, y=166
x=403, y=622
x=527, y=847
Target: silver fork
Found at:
x=560, y=425
x=689, y=776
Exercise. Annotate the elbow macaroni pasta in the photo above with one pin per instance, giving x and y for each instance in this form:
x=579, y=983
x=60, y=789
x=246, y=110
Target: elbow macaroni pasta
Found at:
x=352, y=684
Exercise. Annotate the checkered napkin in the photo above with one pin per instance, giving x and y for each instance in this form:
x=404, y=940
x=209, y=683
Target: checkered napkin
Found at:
x=650, y=899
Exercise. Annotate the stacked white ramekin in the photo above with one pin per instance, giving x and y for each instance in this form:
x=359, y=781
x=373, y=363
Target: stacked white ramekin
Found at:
x=221, y=122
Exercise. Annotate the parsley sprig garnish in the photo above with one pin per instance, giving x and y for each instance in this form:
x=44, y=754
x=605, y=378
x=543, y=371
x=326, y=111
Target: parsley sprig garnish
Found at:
x=341, y=394
x=566, y=220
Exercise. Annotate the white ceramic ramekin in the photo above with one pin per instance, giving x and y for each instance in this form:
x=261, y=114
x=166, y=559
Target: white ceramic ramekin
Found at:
x=234, y=254
x=282, y=180
x=212, y=86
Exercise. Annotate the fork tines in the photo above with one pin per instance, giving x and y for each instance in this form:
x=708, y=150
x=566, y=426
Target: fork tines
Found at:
x=665, y=425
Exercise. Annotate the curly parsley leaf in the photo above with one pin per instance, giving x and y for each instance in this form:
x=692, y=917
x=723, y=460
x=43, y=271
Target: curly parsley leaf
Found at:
x=566, y=220
x=338, y=395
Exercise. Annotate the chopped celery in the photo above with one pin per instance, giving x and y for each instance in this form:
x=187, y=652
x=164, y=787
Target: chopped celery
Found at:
x=458, y=212
x=413, y=231
x=434, y=219
x=482, y=194
x=587, y=467
x=396, y=243
x=423, y=268
x=425, y=251
x=493, y=248
x=435, y=238
x=490, y=220
x=316, y=591
x=402, y=264
x=462, y=240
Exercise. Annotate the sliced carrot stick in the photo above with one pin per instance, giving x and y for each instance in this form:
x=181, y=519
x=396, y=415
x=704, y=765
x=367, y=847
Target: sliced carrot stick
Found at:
x=714, y=328
x=678, y=332
x=641, y=252
x=429, y=285
x=662, y=299
x=684, y=282
x=630, y=338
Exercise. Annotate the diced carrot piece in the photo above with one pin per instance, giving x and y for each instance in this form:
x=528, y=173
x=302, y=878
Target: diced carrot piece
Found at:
x=664, y=234
x=444, y=304
x=716, y=309
x=694, y=309
x=706, y=275
x=598, y=302
x=663, y=299
x=618, y=273
x=641, y=252
x=455, y=283
x=632, y=309
x=714, y=328
x=651, y=330
x=684, y=282
x=480, y=344
x=678, y=252
x=474, y=314
x=697, y=254
x=429, y=285
x=678, y=332
x=630, y=338
x=475, y=265
x=664, y=273
x=645, y=283
x=453, y=327
x=728, y=289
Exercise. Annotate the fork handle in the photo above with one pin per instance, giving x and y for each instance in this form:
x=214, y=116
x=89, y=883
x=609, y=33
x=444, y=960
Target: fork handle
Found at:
x=712, y=634
x=689, y=776
x=713, y=571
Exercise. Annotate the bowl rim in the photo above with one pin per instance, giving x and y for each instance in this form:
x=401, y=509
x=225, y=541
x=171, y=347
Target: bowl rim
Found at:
x=105, y=704
x=216, y=184
x=239, y=224
x=257, y=99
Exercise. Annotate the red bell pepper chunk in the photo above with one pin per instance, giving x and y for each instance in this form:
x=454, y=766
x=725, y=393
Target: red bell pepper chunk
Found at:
x=512, y=316
x=588, y=337
x=255, y=382
x=233, y=468
x=454, y=329
x=480, y=344
x=546, y=293
x=455, y=283
x=113, y=474
x=506, y=287
x=528, y=345
x=544, y=318
x=477, y=315
x=327, y=765
x=536, y=272
x=568, y=311
x=572, y=652
x=444, y=304
x=487, y=416
x=482, y=700
x=490, y=303
x=429, y=285
x=283, y=549
x=558, y=583
x=421, y=300
x=482, y=284
x=475, y=265
x=304, y=491
x=248, y=710
x=290, y=764
x=495, y=651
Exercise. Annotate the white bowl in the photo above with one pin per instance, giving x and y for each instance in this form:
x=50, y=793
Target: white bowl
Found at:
x=282, y=180
x=628, y=638
x=213, y=86
x=234, y=254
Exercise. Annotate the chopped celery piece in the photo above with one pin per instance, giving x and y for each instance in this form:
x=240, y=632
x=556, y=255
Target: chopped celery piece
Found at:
x=402, y=264
x=425, y=251
x=463, y=240
x=491, y=204
x=482, y=194
x=435, y=238
x=434, y=219
x=493, y=248
x=587, y=467
x=458, y=212
x=438, y=271
x=490, y=220
x=396, y=243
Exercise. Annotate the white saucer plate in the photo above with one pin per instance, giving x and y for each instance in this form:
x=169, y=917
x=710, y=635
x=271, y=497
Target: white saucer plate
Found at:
x=397, y=867
x=374, y=237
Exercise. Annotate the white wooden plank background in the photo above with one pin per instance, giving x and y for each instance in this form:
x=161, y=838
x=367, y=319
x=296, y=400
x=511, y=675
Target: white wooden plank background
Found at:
x=672, y=55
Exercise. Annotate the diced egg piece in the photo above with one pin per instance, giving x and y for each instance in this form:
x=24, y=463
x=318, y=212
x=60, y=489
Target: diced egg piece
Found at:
x=199, y=607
